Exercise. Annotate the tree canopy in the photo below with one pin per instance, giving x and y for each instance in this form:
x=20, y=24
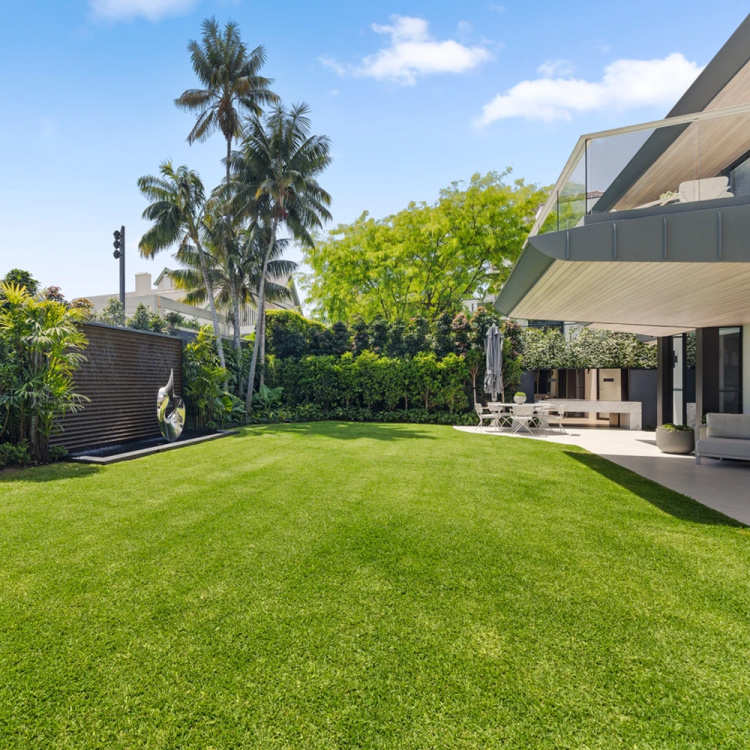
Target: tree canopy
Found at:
x=427, y=258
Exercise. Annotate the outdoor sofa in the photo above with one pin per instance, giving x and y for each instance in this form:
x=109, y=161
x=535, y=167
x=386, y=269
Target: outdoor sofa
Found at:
x=726, y=436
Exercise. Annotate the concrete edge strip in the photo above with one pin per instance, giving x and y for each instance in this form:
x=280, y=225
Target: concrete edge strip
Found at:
x=105, y=460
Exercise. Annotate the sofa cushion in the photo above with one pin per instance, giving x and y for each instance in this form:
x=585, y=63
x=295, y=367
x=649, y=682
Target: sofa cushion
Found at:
x=725, y=447
x=728, y=426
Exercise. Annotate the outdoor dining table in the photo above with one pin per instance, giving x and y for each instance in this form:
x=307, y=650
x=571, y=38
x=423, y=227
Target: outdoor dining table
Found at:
x=502, y=409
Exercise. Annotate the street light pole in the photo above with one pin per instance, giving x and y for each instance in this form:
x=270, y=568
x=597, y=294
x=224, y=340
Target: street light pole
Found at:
x=119, y=252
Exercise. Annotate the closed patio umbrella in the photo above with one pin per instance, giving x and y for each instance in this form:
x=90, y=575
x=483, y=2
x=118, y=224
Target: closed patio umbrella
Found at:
x=493, y=349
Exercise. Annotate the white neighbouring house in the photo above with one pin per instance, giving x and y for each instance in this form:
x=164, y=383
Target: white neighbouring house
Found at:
x=164, y=298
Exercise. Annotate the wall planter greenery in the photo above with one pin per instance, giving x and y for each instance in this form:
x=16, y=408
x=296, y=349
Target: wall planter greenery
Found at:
x=675, y=438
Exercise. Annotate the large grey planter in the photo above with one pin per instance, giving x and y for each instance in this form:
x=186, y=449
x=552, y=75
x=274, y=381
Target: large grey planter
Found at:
x=675, y=441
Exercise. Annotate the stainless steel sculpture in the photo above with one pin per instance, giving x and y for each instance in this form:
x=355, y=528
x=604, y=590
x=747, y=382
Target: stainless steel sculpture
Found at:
x=170, y=411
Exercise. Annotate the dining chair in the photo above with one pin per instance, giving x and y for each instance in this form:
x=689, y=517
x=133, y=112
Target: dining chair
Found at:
x=556, y=416
x=483, y=414
x=523, y=415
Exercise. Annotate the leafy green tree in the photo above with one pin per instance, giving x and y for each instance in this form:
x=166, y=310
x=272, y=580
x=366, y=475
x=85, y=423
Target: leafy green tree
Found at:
x=174, y=320
x=341, y=338
x=320, y=338
x=86, y=307
x=22, y=278
x=396, y=338
x=461, y=333
x=176, y=212
x=360, y=336
x=286, y=331
x=417, y=332
x=276, y=173
x=141, y=320
x=232, y=85
x=112, y=314
x=156, y=323
x=379, y=335
x=442, y=335
x=426, y=377
x=54, y=294
x=428, y=258
x=454, y=373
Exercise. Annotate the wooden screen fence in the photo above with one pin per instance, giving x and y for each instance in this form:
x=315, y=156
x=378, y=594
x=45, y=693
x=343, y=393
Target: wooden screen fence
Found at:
x=123, y=372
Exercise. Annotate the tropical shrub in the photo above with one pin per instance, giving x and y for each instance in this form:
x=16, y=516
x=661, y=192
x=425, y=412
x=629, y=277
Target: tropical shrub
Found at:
x=42, y=345
x=267, y=397
x=145, y=320
x=112, y=314
x=203, y=380
x=22, y=278
x=16, y=454
x=58, y=452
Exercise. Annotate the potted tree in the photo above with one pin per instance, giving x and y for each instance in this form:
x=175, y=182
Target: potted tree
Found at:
x=675, y=438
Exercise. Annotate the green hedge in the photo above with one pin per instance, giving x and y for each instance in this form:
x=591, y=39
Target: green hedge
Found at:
x=550, y=349
x=313, y=413
x=372, y=382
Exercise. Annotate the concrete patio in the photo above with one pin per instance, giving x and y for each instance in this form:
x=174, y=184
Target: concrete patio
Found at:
x=721, y=485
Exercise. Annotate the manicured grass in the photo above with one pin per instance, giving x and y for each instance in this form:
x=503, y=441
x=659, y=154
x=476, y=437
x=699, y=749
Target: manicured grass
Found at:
x=368, y=586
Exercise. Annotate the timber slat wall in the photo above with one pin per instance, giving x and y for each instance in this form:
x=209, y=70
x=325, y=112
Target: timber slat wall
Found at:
x=121, y=376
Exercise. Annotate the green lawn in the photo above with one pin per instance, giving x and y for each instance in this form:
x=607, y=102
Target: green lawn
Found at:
x=338, y=585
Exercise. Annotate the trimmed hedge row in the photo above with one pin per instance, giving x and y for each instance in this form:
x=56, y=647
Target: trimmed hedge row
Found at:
x=313, y=413
x=375, y=383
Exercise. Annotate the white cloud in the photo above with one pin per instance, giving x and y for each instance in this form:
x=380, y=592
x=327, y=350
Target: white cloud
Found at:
x=550, y=68
x=411, y=53
x=153, y=10
x=464, y=30
x=625, y=85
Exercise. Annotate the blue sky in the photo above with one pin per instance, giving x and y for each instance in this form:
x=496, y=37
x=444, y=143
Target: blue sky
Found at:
x=414, y=95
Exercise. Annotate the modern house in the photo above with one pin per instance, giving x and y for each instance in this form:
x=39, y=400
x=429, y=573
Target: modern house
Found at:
x=165, y=297
x=647, y=230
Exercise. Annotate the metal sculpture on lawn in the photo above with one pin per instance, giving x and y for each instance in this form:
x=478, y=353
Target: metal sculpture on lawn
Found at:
x=170, y=411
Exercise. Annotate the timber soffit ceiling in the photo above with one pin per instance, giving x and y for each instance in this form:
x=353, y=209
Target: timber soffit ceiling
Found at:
x=626, y=269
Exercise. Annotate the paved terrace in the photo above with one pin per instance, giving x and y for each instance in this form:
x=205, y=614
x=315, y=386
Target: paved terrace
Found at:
x=721, y=485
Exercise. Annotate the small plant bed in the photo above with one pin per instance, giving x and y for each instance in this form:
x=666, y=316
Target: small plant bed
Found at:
x=110, y=454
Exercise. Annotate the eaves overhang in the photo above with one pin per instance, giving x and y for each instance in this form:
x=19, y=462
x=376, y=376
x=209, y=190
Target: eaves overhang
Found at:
x=674, y=269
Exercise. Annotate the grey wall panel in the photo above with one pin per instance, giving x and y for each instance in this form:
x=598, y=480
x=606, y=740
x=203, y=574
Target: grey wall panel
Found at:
x=640, y=240
x=642, y=385
x=590, y=242
x=735, y=235
x=693, y=236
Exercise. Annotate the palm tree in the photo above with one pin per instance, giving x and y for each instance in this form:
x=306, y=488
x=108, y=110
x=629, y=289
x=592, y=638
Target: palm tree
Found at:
x=177, y=213
x=234, y=267
x=275, y=175
x=231, y=84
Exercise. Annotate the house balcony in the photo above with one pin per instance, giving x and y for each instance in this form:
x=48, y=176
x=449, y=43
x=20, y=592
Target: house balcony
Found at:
x=677, y=164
